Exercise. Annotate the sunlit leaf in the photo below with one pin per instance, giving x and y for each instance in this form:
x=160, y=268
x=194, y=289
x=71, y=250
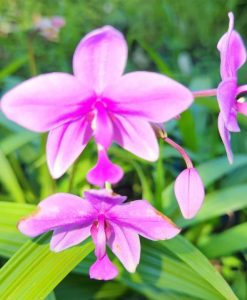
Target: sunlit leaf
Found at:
x=225, y=243
x=9, y=180
x=217, y=204
x=34, y=262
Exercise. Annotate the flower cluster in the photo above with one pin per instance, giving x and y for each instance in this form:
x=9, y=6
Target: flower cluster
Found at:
x=98, y=101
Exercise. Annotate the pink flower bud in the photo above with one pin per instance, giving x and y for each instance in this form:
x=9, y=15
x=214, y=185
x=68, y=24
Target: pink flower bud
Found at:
x=189, y=191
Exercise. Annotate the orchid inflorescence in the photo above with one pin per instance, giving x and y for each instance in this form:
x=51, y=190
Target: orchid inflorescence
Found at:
x=98, y=101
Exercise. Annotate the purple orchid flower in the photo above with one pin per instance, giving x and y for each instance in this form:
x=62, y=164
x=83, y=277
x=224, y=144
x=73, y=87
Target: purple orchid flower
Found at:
x=102, y=215
x=97, y=101
x=233, y=56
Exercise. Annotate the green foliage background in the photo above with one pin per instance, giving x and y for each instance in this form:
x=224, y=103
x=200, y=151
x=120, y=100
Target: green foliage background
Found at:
x=177, y=38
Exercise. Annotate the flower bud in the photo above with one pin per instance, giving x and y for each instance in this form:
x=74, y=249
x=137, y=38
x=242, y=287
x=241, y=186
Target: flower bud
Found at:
x=189, y=191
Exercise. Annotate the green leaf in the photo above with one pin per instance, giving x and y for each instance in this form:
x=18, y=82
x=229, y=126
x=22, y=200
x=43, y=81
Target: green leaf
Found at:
x=187, y=125
x=34, y=262
x=15, y=141
x=51, y=296
x=110, y=290
x=200, y=264
x=217, y=204
x=13, y=67
x=10, y=238
x=76, y=286
x=10, y=242
x=9, y=180
x=159, y=179
x=156, y=58
x=146, y=191
x=240, y=285
x=159, y=274
x=217, y=245
x=175, y=271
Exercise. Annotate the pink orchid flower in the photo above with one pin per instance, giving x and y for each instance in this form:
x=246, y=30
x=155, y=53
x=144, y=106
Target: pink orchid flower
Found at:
x=233, y=56
x=99, y=101
x=102, y=215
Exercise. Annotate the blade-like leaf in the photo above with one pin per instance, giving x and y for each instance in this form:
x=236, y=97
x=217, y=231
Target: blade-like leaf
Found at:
x=9, y=180
x=35, y=263
x=218, y=203
x=13, y=67
x=17, y=140
x=199, y=263
x=218, y=245
x=76, y=286
x=51, y=296
x=10, y=238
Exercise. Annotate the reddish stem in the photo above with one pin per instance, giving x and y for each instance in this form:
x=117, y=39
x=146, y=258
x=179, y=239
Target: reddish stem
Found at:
x=183, y=153
x=205, y=93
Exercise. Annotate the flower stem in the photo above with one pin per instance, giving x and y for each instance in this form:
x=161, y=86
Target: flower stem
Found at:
x=72, y=176
x=205, y=93
x=183, y=153
x=32, y=60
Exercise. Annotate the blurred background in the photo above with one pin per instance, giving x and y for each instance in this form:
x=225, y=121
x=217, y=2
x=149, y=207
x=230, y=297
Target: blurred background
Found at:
x=176, y=38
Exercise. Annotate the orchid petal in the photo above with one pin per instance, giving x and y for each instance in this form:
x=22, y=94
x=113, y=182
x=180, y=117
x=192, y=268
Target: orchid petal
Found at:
x=99, y=237
x=65, y=144
x=104, y=171
x=46, y=101
x=226, y=95
x=142, y=217
x=152, y=96
x=55, y=211
x=103, y=269
x=226, y=137
x=125, y=244
x=103, y=200
x=67, y=236
x=242, y=108
x=232, y=51
x=100, y=58
x=189, y=191
x=136, y=136
x=103, y=130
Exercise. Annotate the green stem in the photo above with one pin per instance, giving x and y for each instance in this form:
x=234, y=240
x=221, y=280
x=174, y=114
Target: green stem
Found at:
x=72, y=176
x=31, y=57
